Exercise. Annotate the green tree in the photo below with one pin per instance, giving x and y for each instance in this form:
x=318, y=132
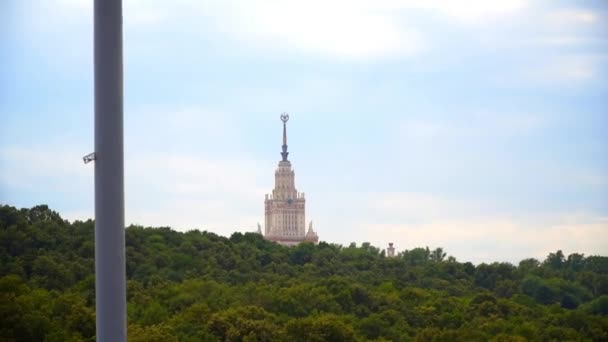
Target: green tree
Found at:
x=438, y=255
x=555, y=260
x=325, y=327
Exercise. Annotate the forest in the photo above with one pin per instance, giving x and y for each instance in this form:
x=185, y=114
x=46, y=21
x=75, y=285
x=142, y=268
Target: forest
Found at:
x=198, y=286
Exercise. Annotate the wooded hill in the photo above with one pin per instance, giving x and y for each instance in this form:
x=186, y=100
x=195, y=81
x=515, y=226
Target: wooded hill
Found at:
x=198, y=286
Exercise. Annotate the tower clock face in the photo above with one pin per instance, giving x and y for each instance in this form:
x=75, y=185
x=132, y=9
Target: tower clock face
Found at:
x=289, y=201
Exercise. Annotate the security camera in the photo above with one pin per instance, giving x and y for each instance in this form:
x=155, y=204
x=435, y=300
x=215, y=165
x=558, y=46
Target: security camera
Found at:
x=89, y=157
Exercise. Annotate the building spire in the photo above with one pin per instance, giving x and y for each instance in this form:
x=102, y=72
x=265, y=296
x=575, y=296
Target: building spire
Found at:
x=284, y=118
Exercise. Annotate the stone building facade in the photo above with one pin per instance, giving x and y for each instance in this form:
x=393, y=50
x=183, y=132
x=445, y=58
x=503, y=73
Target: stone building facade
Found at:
x=285, y=207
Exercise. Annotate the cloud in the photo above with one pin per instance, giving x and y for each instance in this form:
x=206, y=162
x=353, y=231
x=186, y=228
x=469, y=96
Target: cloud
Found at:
x=339, y=30
x=366, y=31
x=57, y=168
x=564, y=70
x=161, y=189
x=571, y=16
x=467, y=11
x=496, y=239
x=468, y=228
x=335, y=29
x=178, y=126
x=473, y=124
x=186, y=192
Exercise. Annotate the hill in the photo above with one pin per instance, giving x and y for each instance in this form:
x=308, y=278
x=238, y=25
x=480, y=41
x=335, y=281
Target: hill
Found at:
x=198, y=286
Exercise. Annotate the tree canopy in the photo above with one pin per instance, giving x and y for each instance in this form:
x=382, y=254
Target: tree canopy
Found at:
x=198, y=286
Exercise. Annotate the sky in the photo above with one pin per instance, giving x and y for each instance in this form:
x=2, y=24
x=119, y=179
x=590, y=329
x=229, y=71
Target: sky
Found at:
x=476, y=126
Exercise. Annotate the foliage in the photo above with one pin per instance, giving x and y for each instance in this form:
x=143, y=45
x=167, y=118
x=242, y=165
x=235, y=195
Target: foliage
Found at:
x=198, y=286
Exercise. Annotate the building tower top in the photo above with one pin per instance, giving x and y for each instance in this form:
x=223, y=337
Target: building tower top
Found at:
x=390, y=251
x=284, y=118
x=285, y=208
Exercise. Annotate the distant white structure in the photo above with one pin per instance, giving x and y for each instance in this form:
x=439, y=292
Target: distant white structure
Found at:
x=285, y=220
x=390, y=251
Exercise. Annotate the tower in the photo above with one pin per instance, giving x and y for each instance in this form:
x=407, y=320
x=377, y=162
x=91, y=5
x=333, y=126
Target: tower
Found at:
x=390, y=251
x=285, y=207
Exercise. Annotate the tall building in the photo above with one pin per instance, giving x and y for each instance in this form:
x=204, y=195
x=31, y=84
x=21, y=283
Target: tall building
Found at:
x=390, y=251
x=285, y=220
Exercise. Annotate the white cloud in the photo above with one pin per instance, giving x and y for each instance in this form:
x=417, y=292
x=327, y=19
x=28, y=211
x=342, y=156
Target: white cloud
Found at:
x=468, y=125
x=573, y=16
x=566, y=41
x=496, y=239
x=335, y=29
x=360, y=30
x=564, y=70
x=466, y=227
x=357, y=31
x=349, y=30
x=28, y=168
x=180, y=191
x=341, y=29
x=174, y=125
x=468, y=11
x=185, y=192
x=547, y=69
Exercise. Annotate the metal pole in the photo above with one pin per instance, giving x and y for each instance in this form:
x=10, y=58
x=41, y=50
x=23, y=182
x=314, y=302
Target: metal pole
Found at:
x=110, y=278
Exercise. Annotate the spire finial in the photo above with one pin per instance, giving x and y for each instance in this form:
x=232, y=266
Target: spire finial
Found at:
x=284, y=118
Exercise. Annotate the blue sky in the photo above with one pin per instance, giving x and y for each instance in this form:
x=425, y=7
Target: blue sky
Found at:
x=478, y=126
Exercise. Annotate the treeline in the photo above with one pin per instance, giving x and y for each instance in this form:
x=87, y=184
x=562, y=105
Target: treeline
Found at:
x=198, y=286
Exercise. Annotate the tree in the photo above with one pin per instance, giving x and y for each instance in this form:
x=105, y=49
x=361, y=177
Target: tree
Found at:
x=528, y=265
x=555, y=260
x=437, y=255
x=320, y=328
x=575, y=262
x=236, y=323
x=199, y=286
x=417, y=256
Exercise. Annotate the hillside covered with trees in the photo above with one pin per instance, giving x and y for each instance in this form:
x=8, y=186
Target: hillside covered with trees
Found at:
x=198, y=286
